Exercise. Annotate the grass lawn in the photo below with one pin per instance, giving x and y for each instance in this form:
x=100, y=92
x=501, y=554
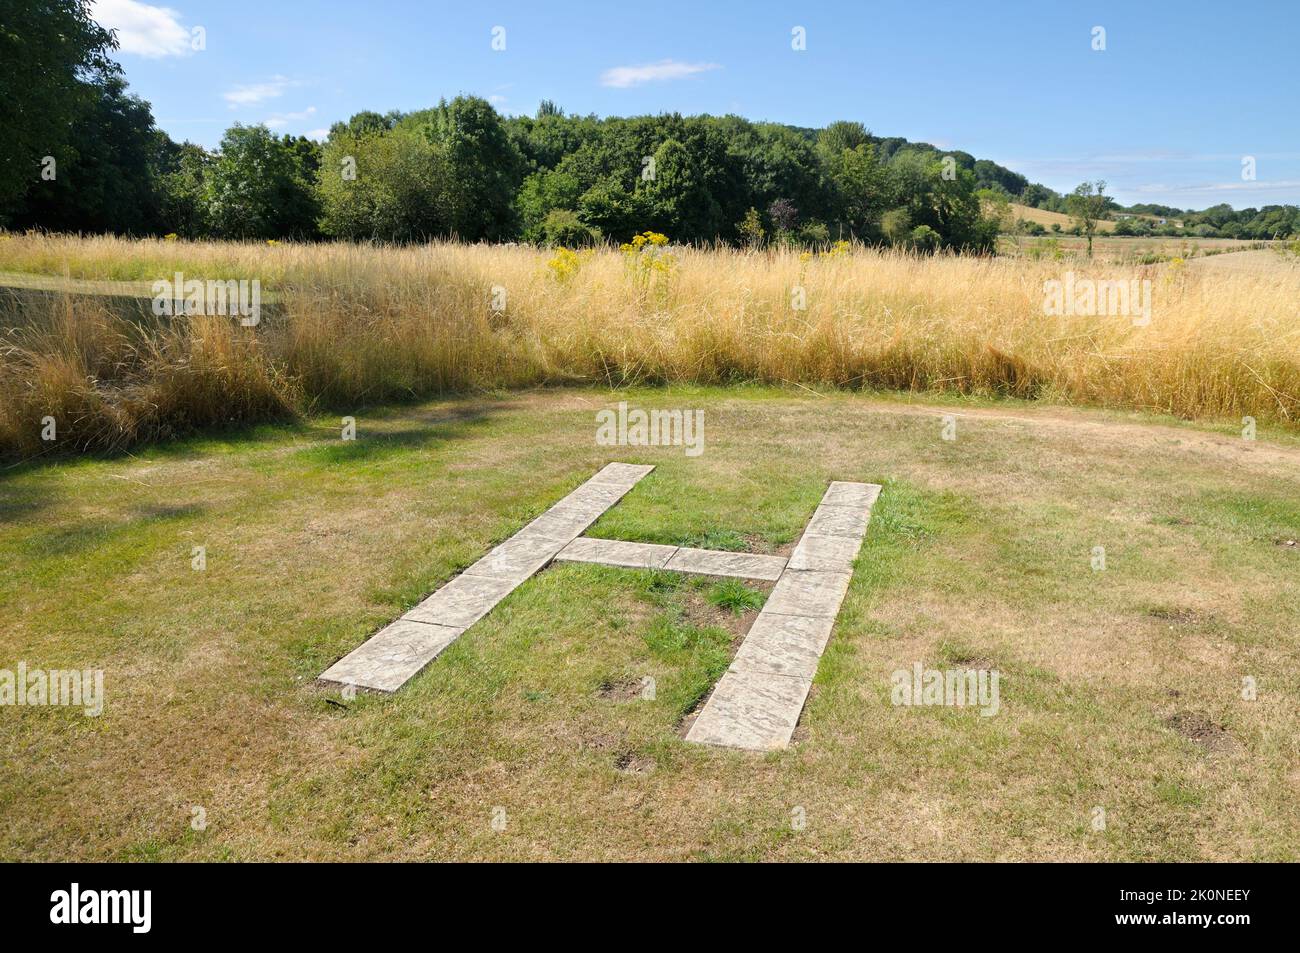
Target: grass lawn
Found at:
x=1120, y=689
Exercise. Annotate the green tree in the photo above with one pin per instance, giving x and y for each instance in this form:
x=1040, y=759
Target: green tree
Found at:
x=53, y=58
x=840, y=136
x=609, y=207
x=991, y=175
x=110, y=180
x=997, y=206
x=678, y=198
x=896, y=225
x=777, y=164
x=255, y=188
x=1087, y=205
x=924, y=239
x=562, y=227
x=306, y=155
x=383, y=186
x=751, y=229
x=861, y=189
x=542, y=193
x=183, y=184
x=484, y=168
x=813, y=232
x=366, y=121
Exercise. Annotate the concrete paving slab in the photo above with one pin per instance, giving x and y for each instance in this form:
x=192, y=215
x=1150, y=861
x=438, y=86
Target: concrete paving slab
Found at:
x=615, y=552
x=809, y=593
x=518, y=558
x=838, y=521
x=752, y=710
x=715, y=562
x=784, y=645
x=861, y=495
x=463, y=601
x=826, y=553
x=593, y=495
x=622, y=474
x=391, y=657
x=561, y=524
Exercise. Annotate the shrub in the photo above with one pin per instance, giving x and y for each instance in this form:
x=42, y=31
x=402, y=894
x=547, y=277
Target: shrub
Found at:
x=562, y=227
x=924, y=238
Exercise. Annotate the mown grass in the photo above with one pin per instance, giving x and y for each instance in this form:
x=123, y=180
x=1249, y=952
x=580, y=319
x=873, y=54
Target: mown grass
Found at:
x=978, y=555
x=366, y=325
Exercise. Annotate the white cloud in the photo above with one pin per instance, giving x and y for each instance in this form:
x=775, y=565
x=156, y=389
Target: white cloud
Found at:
x=496, y=99
x=317, y=134
x=151, y=32
x=252, y=94
x=1254, y=185
x=280, y=120
x=621, y=77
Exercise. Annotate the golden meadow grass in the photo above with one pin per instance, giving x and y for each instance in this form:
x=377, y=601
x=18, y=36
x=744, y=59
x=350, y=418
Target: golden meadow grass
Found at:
x=361, y=324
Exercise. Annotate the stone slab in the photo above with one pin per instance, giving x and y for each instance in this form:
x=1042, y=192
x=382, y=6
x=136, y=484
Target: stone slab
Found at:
x=561, y=524
x=395, y=654
x=787, y=645
x=838, y=521
x=600, y=496
x=825, y=553
x=809, y=593
x=861, y=495
x=622, y=474
x=715, y=562
x=463, y=601
x=518, y=558
x=615, y=552
x=753, y=710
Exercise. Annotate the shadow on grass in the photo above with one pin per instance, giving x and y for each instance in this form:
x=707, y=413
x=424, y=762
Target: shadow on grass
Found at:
x=67, y=540
x=420, y=429
x=388, y=431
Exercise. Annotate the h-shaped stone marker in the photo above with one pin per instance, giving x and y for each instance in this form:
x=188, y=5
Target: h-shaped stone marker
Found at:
x=757, y=702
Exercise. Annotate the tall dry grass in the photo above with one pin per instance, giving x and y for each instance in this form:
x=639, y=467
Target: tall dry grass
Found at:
x=366, y=324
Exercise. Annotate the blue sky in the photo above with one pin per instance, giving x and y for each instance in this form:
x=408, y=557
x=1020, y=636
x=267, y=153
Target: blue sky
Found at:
x=1165, y=113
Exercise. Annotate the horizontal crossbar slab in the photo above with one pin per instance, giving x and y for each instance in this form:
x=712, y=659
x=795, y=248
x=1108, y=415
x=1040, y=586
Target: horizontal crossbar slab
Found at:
x=704, y=562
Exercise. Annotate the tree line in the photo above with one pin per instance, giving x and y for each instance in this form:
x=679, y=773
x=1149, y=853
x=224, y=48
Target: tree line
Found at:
x=79, y=153
x=460, y=169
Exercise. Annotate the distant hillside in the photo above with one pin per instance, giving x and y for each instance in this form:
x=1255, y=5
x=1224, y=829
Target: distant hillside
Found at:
x=1048, y=219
